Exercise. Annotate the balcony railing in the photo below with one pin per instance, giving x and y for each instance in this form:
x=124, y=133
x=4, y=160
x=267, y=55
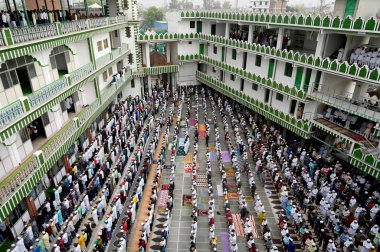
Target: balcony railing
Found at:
x=15, y=110
x=343, y=101
x=10, y=112
x=46, y=92
x=26, y=34
x=34, y=163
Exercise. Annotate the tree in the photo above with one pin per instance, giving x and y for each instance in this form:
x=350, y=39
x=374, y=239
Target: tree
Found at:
x=227, y=5
x=151, y=15
x=174, y=4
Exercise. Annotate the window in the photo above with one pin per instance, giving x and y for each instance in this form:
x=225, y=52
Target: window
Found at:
x=288, y=69
x=105, y=76
x=110, y=71
x=232, y=77
x=36, y=190
x=105, y=43
x=255, y=86
x=192, y=24
x=279, y=97
x=132, y=83
x=100, y=46
x=234, y=54
x=130, y=58
x=128, y=32
x=213, y=29
x=215, y=49
x=116, y=34
x=190, y=42
x=6, y=80
x=258, y=60
x=213, y=69
x=24, y=135
x=17, y=212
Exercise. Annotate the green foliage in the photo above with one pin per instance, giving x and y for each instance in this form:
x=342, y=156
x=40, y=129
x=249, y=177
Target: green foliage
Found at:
x=151, y=15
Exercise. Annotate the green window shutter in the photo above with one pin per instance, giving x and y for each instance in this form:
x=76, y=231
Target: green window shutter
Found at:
x=223, y=49
x=350, y=8
x=201, y=49
x=307, y=79
x=271, y=68
x=299, y=77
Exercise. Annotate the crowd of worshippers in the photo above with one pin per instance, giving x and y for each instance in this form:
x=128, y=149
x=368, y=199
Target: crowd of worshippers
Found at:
x=363, y=56
x=13, y=19
x=80, y=201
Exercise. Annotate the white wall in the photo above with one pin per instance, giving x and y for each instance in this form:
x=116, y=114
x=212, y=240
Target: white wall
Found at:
x=173, y=18
x=239, y=58
x=258, y=70
x=187, y=73
x=283, y=105
x=281, y=78
x=90, y=93
x=184, y=48
x=101, y=37
x=82, y=53
x=336, y=85
x=217, y=55
x=366, y=9
x=102, y=83
x=24, y=149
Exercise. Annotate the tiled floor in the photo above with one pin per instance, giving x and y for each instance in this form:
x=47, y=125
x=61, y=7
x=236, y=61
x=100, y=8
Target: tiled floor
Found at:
x=180, y=226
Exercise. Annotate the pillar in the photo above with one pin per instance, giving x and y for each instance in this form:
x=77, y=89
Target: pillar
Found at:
x=25, y=13
x=147, y=54
x=66, y=163
x=360, y=90
x=57, y=115
x=32, y=210
x=168, y=57
x=63, y=11
x=89, y=135
x=10, y=144
x=83, y=96
x=321, y=41
x=46, y=74
x=86, y=7
x=227, y=34
x=250, y=34
x=149, y=85
x=280, y=38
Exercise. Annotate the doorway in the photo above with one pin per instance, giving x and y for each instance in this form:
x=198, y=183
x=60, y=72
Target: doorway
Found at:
x=24, y=79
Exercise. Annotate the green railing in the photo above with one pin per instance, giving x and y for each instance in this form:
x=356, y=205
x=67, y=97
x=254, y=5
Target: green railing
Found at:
x=337, y=24
x=366, y=162
x=249, y=76
x=310, y=61
x=298, y=126
x=158, y=70
x=168, y=36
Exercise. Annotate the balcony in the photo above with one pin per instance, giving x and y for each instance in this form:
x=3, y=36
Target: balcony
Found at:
x=362, y=106
x=19, y=183
x=27, y=34
x=298, y=126
x=52, y=93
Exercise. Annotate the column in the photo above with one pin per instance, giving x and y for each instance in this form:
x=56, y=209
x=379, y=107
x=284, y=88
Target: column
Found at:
x=280, y=37
x=250, y=34
x=10, y=144
x=32, y=210
x=89, y=135
x=101, y=4
x=25, y=13
x=227, y=34
x=86, y=7
x=360, y=90
x=321, y=41
x=63, y=11
x=149, y=85
x=57, y=115
x=168, y=52
x=83, y=97
x=147, y=54
x=46, y=74
x=66, y=163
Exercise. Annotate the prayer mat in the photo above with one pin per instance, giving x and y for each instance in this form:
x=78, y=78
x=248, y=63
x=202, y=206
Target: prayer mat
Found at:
x=202, y=212
x=192, y=122
x=213, y=156
x=165, y=186
x=232, y=195
x=164, y=195
x=202, y=180
x=232, y=190
x=181, y=142
x=226, y=156
x=202, y=135
x=188, y=167
x=202, y=127
x=161, y=210
x=225, y=241
x=248, y=198
x=186, y=200
x=239, y=228
x=189, y=157
x=231, y=185
x=211, y=148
